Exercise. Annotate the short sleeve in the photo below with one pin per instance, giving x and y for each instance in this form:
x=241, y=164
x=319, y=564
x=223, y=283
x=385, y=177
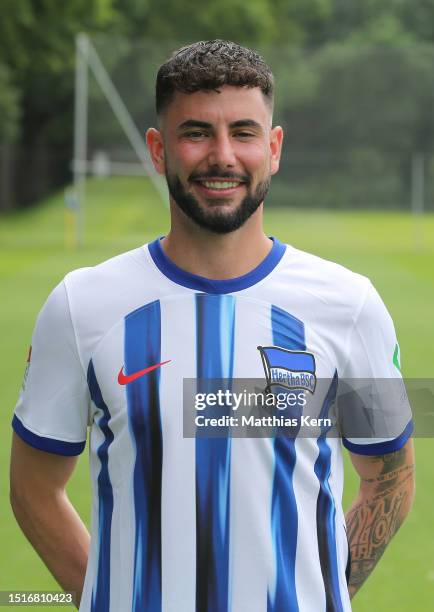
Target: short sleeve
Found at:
x=374, y=412
x=52, y=409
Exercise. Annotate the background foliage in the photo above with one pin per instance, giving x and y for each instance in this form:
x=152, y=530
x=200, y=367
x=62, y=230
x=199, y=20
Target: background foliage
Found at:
x=340, y=61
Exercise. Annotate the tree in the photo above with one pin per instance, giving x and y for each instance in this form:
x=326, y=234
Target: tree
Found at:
x=9, y=108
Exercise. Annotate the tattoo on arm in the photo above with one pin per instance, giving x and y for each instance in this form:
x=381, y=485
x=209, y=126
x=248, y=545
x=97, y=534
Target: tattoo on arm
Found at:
x=372, y=523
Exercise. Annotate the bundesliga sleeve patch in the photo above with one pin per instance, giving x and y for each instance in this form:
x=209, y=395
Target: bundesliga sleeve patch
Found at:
x=397, y=358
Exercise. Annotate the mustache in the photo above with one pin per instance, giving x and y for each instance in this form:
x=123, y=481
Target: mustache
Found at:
x=218, y=174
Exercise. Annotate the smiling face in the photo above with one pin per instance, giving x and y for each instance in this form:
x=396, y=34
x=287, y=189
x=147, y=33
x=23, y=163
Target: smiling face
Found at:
x=218, y=151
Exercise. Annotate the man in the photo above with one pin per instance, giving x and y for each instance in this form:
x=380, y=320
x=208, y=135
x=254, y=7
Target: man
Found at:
x=195, y=524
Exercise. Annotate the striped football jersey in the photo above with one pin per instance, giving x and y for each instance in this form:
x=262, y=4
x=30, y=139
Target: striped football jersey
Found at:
x=194, y=523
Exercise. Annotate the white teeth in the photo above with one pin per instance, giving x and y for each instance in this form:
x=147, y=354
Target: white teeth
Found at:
x=220, y=184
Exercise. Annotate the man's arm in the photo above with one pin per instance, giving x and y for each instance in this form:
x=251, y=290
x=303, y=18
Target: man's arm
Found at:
x=45, y=514
x=384, y=500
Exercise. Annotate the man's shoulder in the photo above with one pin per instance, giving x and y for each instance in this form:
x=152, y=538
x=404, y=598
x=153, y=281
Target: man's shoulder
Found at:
x=101, y=294
x=97, y=298
x=318, y=289
x=321, y=270
x=111, y=270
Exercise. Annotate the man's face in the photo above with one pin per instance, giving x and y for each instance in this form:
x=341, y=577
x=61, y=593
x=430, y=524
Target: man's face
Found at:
x=218, y=152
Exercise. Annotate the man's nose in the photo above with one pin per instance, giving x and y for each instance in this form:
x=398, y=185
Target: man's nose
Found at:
x=221, y=152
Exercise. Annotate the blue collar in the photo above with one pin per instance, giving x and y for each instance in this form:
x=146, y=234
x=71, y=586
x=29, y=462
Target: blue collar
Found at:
x=207, y=285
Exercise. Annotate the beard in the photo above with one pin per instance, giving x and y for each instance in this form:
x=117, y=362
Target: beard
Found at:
x=214, y=220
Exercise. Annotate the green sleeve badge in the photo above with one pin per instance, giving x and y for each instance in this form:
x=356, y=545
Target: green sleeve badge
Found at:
x=397, y=358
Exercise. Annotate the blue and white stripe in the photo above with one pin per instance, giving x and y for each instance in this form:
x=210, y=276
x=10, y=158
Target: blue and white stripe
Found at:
x=326, y=512
x=288, y=332
x=215, y=321
x=142, y=348
x=101, y=590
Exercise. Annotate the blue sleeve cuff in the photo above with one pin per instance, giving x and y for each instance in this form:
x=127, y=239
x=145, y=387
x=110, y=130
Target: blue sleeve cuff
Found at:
x=380, y=448
x=58, y=447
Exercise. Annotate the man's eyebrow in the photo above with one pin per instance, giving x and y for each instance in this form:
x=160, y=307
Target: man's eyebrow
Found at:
x=194, y=123
x=245, y=123
x=240, y=123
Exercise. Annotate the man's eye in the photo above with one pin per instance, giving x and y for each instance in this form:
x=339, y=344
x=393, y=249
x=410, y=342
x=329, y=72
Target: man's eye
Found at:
x=195, y=134
x=244, y=135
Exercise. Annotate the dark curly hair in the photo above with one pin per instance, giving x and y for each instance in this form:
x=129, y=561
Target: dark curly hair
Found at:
x=208, y=65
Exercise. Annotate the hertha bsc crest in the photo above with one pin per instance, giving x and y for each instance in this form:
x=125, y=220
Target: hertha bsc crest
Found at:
x=290, y=369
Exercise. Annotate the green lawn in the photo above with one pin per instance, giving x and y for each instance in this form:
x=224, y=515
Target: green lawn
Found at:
x=394, y=250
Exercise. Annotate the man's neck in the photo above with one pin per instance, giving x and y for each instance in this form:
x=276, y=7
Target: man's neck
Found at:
x=218, y=256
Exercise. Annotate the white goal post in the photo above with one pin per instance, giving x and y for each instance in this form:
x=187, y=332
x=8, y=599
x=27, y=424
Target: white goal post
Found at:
x=87, y=59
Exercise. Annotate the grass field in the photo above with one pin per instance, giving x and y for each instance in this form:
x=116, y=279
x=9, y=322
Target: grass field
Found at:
x=393, y=249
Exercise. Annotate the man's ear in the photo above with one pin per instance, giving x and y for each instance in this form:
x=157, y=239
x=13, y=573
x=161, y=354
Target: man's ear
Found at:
x=154, y=141
x=276, y=139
